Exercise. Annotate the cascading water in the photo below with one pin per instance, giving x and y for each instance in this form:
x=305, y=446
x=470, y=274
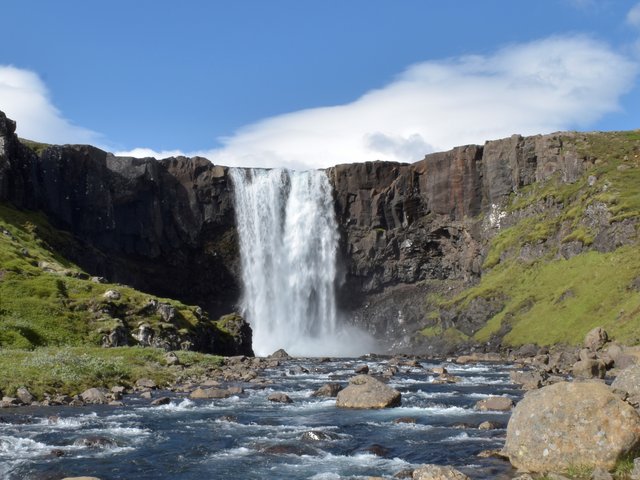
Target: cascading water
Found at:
x=288, y=245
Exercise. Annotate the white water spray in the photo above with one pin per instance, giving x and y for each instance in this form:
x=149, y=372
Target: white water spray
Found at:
x=288, y=246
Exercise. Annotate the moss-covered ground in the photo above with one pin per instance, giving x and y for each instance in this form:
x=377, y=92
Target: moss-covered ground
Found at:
x=53, y=317
x=71, y=370
x=549, y=299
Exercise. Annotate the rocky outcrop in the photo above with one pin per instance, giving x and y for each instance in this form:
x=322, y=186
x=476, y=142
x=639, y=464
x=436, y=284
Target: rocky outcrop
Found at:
x=569, y=424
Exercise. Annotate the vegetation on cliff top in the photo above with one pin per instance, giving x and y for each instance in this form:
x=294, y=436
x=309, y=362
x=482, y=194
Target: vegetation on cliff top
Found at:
x=547, y=295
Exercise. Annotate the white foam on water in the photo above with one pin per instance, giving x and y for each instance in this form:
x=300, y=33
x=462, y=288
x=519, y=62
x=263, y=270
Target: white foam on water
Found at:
x=465, y=437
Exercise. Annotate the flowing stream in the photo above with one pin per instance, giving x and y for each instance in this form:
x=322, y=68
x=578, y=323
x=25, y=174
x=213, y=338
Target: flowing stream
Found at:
x=248, y=437
x=288, y=246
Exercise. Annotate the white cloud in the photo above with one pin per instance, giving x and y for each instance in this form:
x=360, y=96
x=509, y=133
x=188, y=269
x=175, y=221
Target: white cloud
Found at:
x=633, y=16
x=556, y=83
x=548, y=85
x=24, y=98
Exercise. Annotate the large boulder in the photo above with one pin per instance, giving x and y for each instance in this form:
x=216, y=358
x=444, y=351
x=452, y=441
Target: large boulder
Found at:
x=628, y=381
x=437, y=472
x=365, y=391
x=569, y=424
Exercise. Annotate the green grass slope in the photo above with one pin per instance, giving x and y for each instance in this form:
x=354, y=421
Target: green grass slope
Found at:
x=549, y=297
x=53, y=317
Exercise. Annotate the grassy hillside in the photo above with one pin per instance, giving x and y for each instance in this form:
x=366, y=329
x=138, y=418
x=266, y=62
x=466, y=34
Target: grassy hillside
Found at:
x=54, y=317
x=546, y=295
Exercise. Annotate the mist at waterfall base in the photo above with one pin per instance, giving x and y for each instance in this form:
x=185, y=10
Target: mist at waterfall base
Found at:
x=288, y=247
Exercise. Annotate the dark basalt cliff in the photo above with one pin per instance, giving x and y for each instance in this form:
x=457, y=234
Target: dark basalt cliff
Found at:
x=166, y=227
x=409, y=232
x=411, y=229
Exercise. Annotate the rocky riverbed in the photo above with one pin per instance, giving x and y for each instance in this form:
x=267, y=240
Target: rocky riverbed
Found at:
x=277, y=418
x=564, y=412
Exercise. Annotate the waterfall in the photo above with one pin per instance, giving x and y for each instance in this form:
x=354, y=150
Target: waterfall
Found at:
x=288, y=246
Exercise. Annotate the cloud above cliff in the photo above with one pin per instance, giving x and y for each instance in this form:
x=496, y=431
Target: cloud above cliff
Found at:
x=25, y=98
x=548, y=85
x=557, y=83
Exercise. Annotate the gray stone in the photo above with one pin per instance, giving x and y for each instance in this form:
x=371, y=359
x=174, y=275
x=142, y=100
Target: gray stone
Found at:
x=365, y=391
x=111, y=295
x=569, y=424
x=330, y=389
x=500, y=404
x=586, y=369
x=210, y=393
x=24, y=395
x=95, y=395
x=438, y=472
x=146, y=383
x=628, y=380
x=279, y=398
x=596, y=339
x=280, y=354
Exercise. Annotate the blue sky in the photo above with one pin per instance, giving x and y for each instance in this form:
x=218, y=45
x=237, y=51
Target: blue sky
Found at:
x=314, y=83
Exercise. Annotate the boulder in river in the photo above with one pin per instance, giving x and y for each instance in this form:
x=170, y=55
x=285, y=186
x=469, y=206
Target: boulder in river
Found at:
x=279, y=354
x=500, y=404
x=209, y=393
x=569, y=424
x=365, y=391
x=438, y=472
x=330, y=389
x=279, y=398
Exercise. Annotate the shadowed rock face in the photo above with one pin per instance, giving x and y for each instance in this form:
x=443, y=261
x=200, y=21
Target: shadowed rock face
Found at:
x=167, y=227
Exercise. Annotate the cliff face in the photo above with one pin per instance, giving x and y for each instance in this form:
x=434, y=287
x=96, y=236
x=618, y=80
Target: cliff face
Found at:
x=166, y=227
x=414, y=237
x=409, y=230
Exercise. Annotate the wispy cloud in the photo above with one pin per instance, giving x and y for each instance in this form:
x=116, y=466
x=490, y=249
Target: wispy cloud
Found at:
x=633, y=16
x=552, y=84
x=25, y=98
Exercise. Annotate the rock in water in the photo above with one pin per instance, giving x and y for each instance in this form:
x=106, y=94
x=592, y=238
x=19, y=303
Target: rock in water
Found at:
x=279, y=398
x=280, y=353
x=330, y=389
x=500, y=404
x=365, y=391
x=568, y=424
x=437, y=472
